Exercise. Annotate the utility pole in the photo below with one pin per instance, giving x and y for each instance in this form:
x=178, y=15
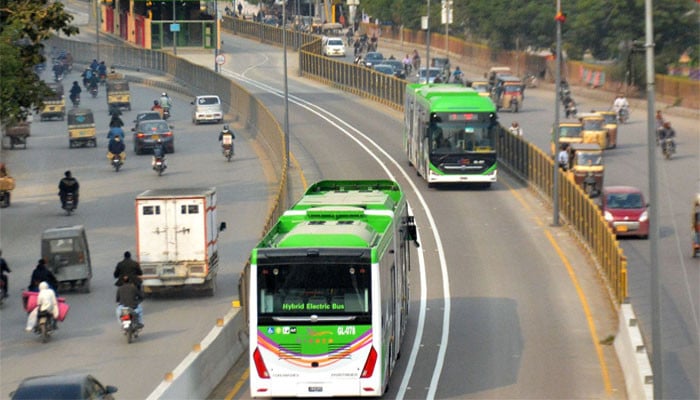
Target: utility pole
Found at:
x=560, y=18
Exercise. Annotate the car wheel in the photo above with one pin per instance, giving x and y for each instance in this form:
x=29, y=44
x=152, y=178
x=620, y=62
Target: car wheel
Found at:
x=171, y=149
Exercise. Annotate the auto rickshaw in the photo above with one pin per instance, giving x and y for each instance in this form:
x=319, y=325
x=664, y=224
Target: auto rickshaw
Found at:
x=118, y=94
x=444, y=64
x=55, y=104
x=611, y=126
x=569, y=133
x=81, y=128
x=65, y=250
x=508, y=93
x=16, y=135
x=695, y=217
x=586, y=164
x=594, y=130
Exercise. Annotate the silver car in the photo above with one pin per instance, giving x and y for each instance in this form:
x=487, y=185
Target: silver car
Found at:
x=207, y=108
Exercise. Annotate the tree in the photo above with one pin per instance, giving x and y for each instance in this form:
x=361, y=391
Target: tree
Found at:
x=24, y=25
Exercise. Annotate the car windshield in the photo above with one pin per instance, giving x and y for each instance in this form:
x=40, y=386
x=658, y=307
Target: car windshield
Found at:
x=207, y=101
x=154, y=126
x=625, y=200
x=374, y=56
x=455, y=137
x=610, y=118
x=587, y=159
x=570, y=131
x=433, y=72
x=335, y=42
x=592, y=124
x=147, y=116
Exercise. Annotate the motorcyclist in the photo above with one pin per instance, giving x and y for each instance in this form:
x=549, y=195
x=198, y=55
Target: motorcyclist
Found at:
x=457, y=75
x=75, y=91
x=115, y=131
x=165, y=101
x=57, y=70
x=102, y=71
x=93, y=82
x=42, y=274
x=87, y=75
x=116, y=121
x=226, y=137
x=128, y=267
x=667, y=133
x=94, y=65
x=159, y=153
x=563, y=157
x=68, y=185
x=130, y=295
x=45, y=302
x=116, y=148
x=157, y=107
x=620, y=104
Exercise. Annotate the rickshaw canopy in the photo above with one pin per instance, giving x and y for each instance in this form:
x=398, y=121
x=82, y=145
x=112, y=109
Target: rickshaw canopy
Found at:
x=117, y=85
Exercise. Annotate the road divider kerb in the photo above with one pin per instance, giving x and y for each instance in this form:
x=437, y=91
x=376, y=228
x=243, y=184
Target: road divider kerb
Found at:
x=633, y=356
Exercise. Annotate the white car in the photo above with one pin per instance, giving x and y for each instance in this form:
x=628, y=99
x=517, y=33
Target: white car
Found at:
x=207, y=109
x=333, y=46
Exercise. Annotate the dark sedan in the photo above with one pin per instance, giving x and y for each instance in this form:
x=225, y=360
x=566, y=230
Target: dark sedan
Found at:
x=60, y=387
x=372, y=58
x=148, y=132
x=398, y=67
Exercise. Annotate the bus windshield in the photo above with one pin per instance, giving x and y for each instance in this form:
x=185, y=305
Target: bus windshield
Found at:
x=322, y=288
x=458, y=137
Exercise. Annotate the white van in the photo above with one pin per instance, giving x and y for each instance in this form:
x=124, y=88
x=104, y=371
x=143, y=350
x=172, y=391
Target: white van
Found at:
x=207, y=108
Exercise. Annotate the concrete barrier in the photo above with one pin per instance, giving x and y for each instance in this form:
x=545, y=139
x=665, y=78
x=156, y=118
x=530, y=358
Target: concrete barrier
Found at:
x=633, y=356
x=208, y=362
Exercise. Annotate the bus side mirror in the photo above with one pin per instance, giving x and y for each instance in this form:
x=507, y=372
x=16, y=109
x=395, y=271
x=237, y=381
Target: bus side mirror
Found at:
x=411, y=231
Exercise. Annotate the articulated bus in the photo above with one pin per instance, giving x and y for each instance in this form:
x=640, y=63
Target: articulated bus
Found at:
x=328, y=292
x=450, y=134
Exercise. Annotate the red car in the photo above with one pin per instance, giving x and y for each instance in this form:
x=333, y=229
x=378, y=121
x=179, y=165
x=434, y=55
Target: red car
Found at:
x=626, y=211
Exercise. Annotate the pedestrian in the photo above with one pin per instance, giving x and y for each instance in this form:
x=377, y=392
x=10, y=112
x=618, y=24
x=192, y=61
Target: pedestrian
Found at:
x=563, y=157
x=4, y=268
x=240, y=9
x=515, y=129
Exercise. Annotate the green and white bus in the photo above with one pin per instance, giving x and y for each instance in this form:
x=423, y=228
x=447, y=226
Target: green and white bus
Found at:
x=328, y=292
x=450, y=134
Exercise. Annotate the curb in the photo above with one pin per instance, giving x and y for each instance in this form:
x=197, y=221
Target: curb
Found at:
x=633, y=356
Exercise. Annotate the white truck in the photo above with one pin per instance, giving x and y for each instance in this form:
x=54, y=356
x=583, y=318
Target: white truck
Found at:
x=176, y=239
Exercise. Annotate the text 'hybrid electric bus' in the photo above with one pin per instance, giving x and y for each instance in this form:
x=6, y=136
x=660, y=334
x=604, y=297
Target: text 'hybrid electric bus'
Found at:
x=450, y=134
x=328, y=292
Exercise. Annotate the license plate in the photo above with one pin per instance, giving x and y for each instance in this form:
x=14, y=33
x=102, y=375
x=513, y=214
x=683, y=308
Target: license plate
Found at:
x=126, y=324
x=154, y=137
x=621, y=228
x=315, y=389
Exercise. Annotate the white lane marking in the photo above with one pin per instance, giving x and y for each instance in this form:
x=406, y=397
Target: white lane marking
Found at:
x=327, y=116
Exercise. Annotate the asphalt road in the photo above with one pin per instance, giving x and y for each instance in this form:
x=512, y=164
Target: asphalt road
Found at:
x=504, y=307
x=90, y=339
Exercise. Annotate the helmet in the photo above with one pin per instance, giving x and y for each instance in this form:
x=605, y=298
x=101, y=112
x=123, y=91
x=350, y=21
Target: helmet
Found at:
x=67, y=174
x=164, y=94
x=155, y=102
x=226, y=128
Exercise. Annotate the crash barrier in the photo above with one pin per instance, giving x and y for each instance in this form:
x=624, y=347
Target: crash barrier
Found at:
x=224, y=345
x=522, y=158
x=356, y=79
x=633, y=356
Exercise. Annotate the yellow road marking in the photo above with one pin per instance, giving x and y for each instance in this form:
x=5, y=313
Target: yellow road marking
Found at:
x=579, y=290
x=238, y=385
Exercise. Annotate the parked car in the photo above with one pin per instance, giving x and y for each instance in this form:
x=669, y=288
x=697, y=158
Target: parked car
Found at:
x=397, y=65
x=207, y=108
x=146, y=116
x=333, y=46
x=626, y=211
x=148, y=132
x=422, y=73
x=59, y=387
x=372, y=58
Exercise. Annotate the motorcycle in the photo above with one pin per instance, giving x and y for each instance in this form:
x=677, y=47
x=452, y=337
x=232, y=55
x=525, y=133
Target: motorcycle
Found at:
x=623, y=115
x=668, y=147
x=103, y=79
x=589, y=185
x=228, y=151
x=93, y=91
x=531, y=81
x=571, y=109
x=45, y=325
x=166, y=113
x=130, y=325
x=2, y=292
x=159, y=165
x=513, y=104
x=69, y=205
x=117, y=162
x=75, y=100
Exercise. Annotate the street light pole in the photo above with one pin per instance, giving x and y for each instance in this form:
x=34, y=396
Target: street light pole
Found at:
x=216, y=35
x=557, y=84
x=98, y=17
x=427, y=46
x=286, y=87
x=172, y=28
